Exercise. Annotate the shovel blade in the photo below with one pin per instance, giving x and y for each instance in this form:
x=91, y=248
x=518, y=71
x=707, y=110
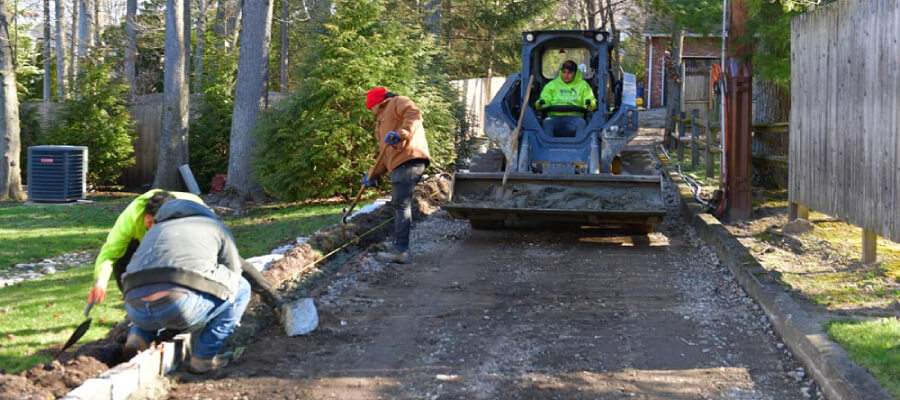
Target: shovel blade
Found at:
x=300, y=317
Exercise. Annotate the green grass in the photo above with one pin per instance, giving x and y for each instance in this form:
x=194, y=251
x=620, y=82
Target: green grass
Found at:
x=44, y=312
x=874, y=344
x=29, y=233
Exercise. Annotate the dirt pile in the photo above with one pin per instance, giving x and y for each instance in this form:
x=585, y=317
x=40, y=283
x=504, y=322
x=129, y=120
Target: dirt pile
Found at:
x=89, y=360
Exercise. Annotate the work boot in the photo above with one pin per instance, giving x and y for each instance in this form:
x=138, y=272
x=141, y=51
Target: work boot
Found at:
x=399, y=257
x=133, y=344
x=201, y=366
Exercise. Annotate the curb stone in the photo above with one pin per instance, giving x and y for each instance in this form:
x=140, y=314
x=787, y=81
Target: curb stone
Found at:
x=825, y=360
x=143, y=370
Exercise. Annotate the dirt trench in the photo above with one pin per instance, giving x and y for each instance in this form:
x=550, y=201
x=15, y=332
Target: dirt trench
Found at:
x=296, y=271
x=540, y=312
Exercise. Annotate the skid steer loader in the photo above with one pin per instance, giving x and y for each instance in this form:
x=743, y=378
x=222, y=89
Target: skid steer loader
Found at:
x=584, y=177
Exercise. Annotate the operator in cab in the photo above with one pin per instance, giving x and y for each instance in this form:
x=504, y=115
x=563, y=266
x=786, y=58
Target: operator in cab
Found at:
x=567, y=89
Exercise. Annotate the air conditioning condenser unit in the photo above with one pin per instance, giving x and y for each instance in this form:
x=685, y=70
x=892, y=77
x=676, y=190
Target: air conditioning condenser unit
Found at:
x=57, y=173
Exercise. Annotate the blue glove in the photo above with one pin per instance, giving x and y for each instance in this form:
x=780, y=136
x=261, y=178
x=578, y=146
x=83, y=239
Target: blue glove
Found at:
x=368, y=182
x=392, y=138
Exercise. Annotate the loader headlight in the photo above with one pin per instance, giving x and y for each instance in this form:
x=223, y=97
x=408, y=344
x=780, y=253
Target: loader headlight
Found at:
x=598, y=37
x=529, y=37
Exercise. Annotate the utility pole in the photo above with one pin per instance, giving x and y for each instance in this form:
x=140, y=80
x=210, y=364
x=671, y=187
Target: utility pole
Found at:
x=739, y=70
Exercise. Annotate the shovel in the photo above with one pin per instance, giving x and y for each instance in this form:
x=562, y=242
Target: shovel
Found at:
x=79, y=331
x=347, y=211
x=515, y=137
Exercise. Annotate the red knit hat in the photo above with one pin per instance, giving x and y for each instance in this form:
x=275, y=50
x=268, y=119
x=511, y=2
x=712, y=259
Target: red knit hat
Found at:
x=375, y=96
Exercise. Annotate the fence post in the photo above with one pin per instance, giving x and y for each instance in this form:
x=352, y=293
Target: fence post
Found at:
x=710, y=142
x=681, y=119
x=870, y=245
x=798, y=210
x=695, y=151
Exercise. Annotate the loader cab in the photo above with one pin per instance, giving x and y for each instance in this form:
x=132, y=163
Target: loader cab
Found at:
x=546, y=51
x=568, y=152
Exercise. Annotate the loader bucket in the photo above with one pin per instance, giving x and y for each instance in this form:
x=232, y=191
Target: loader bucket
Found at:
x=633, y=201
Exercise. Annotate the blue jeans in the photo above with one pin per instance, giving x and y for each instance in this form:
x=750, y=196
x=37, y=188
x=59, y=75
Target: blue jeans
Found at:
x=191, y=312
x=563, y=125
x=403, y=180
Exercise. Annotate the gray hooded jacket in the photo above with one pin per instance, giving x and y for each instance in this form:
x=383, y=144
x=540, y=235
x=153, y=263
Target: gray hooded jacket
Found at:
x=188, y=246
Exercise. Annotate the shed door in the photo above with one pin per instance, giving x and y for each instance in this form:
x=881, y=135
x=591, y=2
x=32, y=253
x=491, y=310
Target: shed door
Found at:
x=697, y=86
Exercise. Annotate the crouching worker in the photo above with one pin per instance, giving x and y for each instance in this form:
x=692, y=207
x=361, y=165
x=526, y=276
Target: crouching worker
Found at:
x=126, y=235
x=186, y=275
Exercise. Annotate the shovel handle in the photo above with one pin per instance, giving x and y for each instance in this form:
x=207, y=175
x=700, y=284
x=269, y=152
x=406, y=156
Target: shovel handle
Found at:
x=363, y=188
x=88, y=309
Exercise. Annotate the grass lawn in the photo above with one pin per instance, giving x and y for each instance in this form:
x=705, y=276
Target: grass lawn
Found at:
x=38, y=314
x=874, y=344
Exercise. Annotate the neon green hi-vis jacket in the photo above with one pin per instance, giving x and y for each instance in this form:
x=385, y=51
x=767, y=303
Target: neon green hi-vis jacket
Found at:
x=129, y=226
x=559, y=93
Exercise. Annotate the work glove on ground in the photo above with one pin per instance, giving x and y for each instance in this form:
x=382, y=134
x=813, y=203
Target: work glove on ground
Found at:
x=368, y=182
x=590, y=105
x=392, y=138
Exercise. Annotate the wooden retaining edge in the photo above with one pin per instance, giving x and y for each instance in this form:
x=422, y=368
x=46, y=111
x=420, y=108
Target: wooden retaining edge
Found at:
x=825, y=360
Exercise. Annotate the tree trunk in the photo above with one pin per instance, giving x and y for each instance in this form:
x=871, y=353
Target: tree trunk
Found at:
x=249, y=98
x=238, y=24
x=187, y=46
x=60, y=52
x=673, y=82
x=285, y=14
x=197, y=82
x=73, y=56
x=47, y=77
x=10, y=146
x=219, y=27
x=85, y=23
x=173, y=143
x=433, y=17
x=95, y=34
x=130, y=47
x=591, y=17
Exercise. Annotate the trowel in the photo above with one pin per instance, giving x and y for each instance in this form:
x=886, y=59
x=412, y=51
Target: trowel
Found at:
x=79, y=332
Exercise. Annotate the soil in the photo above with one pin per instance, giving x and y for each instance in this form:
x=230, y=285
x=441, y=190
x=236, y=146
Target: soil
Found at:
x=294, y=271
x=537, y=312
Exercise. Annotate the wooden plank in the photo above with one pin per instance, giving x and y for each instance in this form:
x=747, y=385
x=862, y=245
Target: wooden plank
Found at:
x=893, y=86
x=781, y=160
x=695, y=152
x=681, y=137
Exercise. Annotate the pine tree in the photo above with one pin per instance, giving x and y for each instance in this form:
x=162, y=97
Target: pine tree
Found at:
x=319, y=142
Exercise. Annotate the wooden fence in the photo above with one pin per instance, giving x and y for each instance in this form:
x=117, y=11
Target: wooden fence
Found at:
x=845, y=114
x=703, y=139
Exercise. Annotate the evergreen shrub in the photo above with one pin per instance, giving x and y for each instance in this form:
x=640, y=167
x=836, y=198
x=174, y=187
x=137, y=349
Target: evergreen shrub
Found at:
x=319, y=142
x=210, y=130
x=97, y=118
